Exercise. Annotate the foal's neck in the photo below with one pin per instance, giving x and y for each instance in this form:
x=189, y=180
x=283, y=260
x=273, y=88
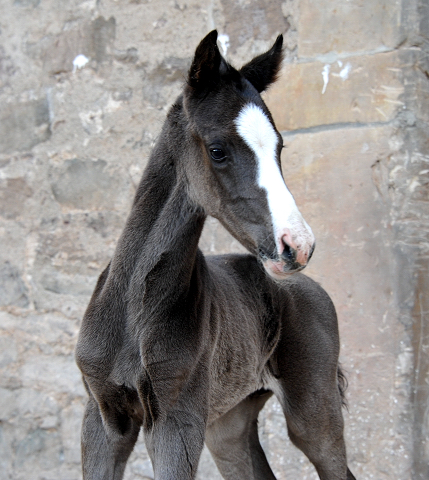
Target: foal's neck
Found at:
x=159, y=244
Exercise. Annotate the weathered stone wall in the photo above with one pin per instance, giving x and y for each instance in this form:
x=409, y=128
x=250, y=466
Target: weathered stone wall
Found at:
x=352, y=104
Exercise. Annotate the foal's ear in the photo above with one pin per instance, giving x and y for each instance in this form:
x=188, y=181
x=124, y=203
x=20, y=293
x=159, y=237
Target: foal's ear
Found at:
x=262, y=71
x=204, y=71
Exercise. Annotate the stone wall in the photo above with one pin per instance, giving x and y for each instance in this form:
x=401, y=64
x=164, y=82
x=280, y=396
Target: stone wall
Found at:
x=352, y=104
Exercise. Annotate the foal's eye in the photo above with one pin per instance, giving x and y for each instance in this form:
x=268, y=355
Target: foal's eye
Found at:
x=217, y=154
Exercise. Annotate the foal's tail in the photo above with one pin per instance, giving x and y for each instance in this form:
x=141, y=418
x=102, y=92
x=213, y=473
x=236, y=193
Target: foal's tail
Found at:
x=342, y=386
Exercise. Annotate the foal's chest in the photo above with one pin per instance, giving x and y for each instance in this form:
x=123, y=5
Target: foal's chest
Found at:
x=247, y=330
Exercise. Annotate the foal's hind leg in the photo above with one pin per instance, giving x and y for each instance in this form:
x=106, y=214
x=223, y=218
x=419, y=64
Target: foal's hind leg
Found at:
x=234, y=444
x=315, y=426
x=104, y=457
x=312, y=405
x=306, y=366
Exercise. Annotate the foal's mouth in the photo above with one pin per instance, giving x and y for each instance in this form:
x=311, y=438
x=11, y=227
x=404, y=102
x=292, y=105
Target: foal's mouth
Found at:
x=279, y=270
x=281, y=267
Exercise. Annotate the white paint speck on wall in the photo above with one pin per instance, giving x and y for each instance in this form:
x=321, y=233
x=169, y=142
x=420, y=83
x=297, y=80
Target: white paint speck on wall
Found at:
x=224, y=42
x=325, y=76
x=344, y=74
x=79, y=62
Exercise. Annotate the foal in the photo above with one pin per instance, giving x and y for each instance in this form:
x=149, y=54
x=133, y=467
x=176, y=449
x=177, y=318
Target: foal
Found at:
x=190, y=348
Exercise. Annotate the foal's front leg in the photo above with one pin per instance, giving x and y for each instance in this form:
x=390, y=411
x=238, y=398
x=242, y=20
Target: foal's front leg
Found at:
x=175, y=434
x=105, y=454
x=175, y=444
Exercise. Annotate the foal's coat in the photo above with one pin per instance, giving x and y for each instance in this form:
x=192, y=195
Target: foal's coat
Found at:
x=190, y=348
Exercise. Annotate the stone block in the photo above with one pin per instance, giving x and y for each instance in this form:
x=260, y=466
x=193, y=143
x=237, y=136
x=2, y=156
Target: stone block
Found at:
x=13, y=290
x=14, y=192
x=7, y=404
x=24, y=125
x=170, y=73
x=8, y=351
x=93, y=39
x=37, y=449
x=71, y=421
x=62, y=376
x=87, y=185
x=356, y=26
x=30, y=446
x=99, y=38
x=27, y=3
x=359, y=89
x=31, y=403
x=254, y=20
x=338, y=165
x=7, y=439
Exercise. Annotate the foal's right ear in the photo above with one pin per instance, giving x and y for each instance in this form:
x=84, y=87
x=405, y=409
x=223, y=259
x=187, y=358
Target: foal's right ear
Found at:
x=204, y=71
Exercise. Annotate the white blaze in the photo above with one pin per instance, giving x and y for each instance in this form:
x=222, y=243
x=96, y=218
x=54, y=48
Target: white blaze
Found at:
x=258, y=133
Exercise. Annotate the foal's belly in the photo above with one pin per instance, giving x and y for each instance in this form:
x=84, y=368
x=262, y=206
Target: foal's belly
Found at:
x=228, y=392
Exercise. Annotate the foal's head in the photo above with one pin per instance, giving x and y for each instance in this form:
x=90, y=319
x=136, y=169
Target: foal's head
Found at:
x=233, y=168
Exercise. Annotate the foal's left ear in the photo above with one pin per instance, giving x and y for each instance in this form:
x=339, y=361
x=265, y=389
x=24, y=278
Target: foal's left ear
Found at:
x=262, y=71
x=204, y=71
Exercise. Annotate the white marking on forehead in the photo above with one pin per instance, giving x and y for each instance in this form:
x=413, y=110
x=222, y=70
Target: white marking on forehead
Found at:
x=258, y=133
x=256, y=130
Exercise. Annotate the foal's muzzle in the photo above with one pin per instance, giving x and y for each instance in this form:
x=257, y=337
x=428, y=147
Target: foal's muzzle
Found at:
x=295, y=258
x=293, y=255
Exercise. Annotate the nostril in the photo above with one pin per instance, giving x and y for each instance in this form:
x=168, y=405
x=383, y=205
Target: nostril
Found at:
x=288, y=254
